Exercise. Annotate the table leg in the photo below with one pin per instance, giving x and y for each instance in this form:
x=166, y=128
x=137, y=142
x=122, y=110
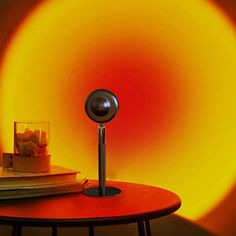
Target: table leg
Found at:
x=16, y=230
x=91, y=231
x=141, y=229
x=54, y=230
x=148, y=228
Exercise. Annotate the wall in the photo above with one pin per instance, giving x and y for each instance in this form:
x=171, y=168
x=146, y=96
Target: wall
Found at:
x=183, y=68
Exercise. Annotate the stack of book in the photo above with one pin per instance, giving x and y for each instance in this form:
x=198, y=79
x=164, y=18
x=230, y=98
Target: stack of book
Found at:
x=58, y=180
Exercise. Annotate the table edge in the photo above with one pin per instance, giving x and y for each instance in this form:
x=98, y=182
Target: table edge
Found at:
x=90, y=221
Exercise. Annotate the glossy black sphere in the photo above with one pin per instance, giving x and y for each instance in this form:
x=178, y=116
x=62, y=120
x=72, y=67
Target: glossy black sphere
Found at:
x=100, y=106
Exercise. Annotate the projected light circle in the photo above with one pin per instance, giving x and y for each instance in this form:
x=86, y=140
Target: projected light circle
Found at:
x=171, y=65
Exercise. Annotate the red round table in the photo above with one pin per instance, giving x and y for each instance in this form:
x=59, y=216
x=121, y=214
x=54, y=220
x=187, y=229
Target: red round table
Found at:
x=136, y=203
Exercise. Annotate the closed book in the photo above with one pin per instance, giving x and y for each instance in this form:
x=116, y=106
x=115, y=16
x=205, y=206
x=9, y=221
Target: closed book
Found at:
x=40, y=190
x=56, y=175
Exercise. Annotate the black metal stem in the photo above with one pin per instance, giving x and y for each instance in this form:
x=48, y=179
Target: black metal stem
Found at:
x=54, y=230
x=141, y=229
x=102, y=190
x=91, y=231
x=16, y=230
x=148, y=228
x=102, y=160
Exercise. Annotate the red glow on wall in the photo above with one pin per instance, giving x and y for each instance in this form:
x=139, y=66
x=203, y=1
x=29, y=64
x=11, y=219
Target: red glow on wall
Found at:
x=149, y=98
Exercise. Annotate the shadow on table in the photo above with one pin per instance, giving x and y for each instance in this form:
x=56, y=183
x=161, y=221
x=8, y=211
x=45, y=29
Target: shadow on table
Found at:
x=165, y=226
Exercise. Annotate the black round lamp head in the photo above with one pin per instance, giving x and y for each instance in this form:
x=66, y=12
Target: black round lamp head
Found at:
x=101, y=105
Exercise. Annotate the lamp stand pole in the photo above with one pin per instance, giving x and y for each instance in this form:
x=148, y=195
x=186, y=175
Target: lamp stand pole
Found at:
x=102, y=159
x=102, y=190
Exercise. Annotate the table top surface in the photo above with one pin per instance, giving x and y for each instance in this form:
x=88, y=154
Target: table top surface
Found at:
x=135, y=202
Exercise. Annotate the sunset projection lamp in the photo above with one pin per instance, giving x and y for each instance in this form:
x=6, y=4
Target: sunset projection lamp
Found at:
x=101, y=106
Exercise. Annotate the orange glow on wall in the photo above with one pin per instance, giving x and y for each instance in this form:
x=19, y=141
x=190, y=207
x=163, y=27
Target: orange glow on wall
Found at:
x=173, y=71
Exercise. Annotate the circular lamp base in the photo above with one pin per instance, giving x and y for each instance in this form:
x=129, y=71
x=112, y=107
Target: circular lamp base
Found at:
x=94, y=192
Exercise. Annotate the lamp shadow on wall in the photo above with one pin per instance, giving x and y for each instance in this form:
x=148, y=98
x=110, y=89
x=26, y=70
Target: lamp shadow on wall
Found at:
x=165, y=226
x=222, y=217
